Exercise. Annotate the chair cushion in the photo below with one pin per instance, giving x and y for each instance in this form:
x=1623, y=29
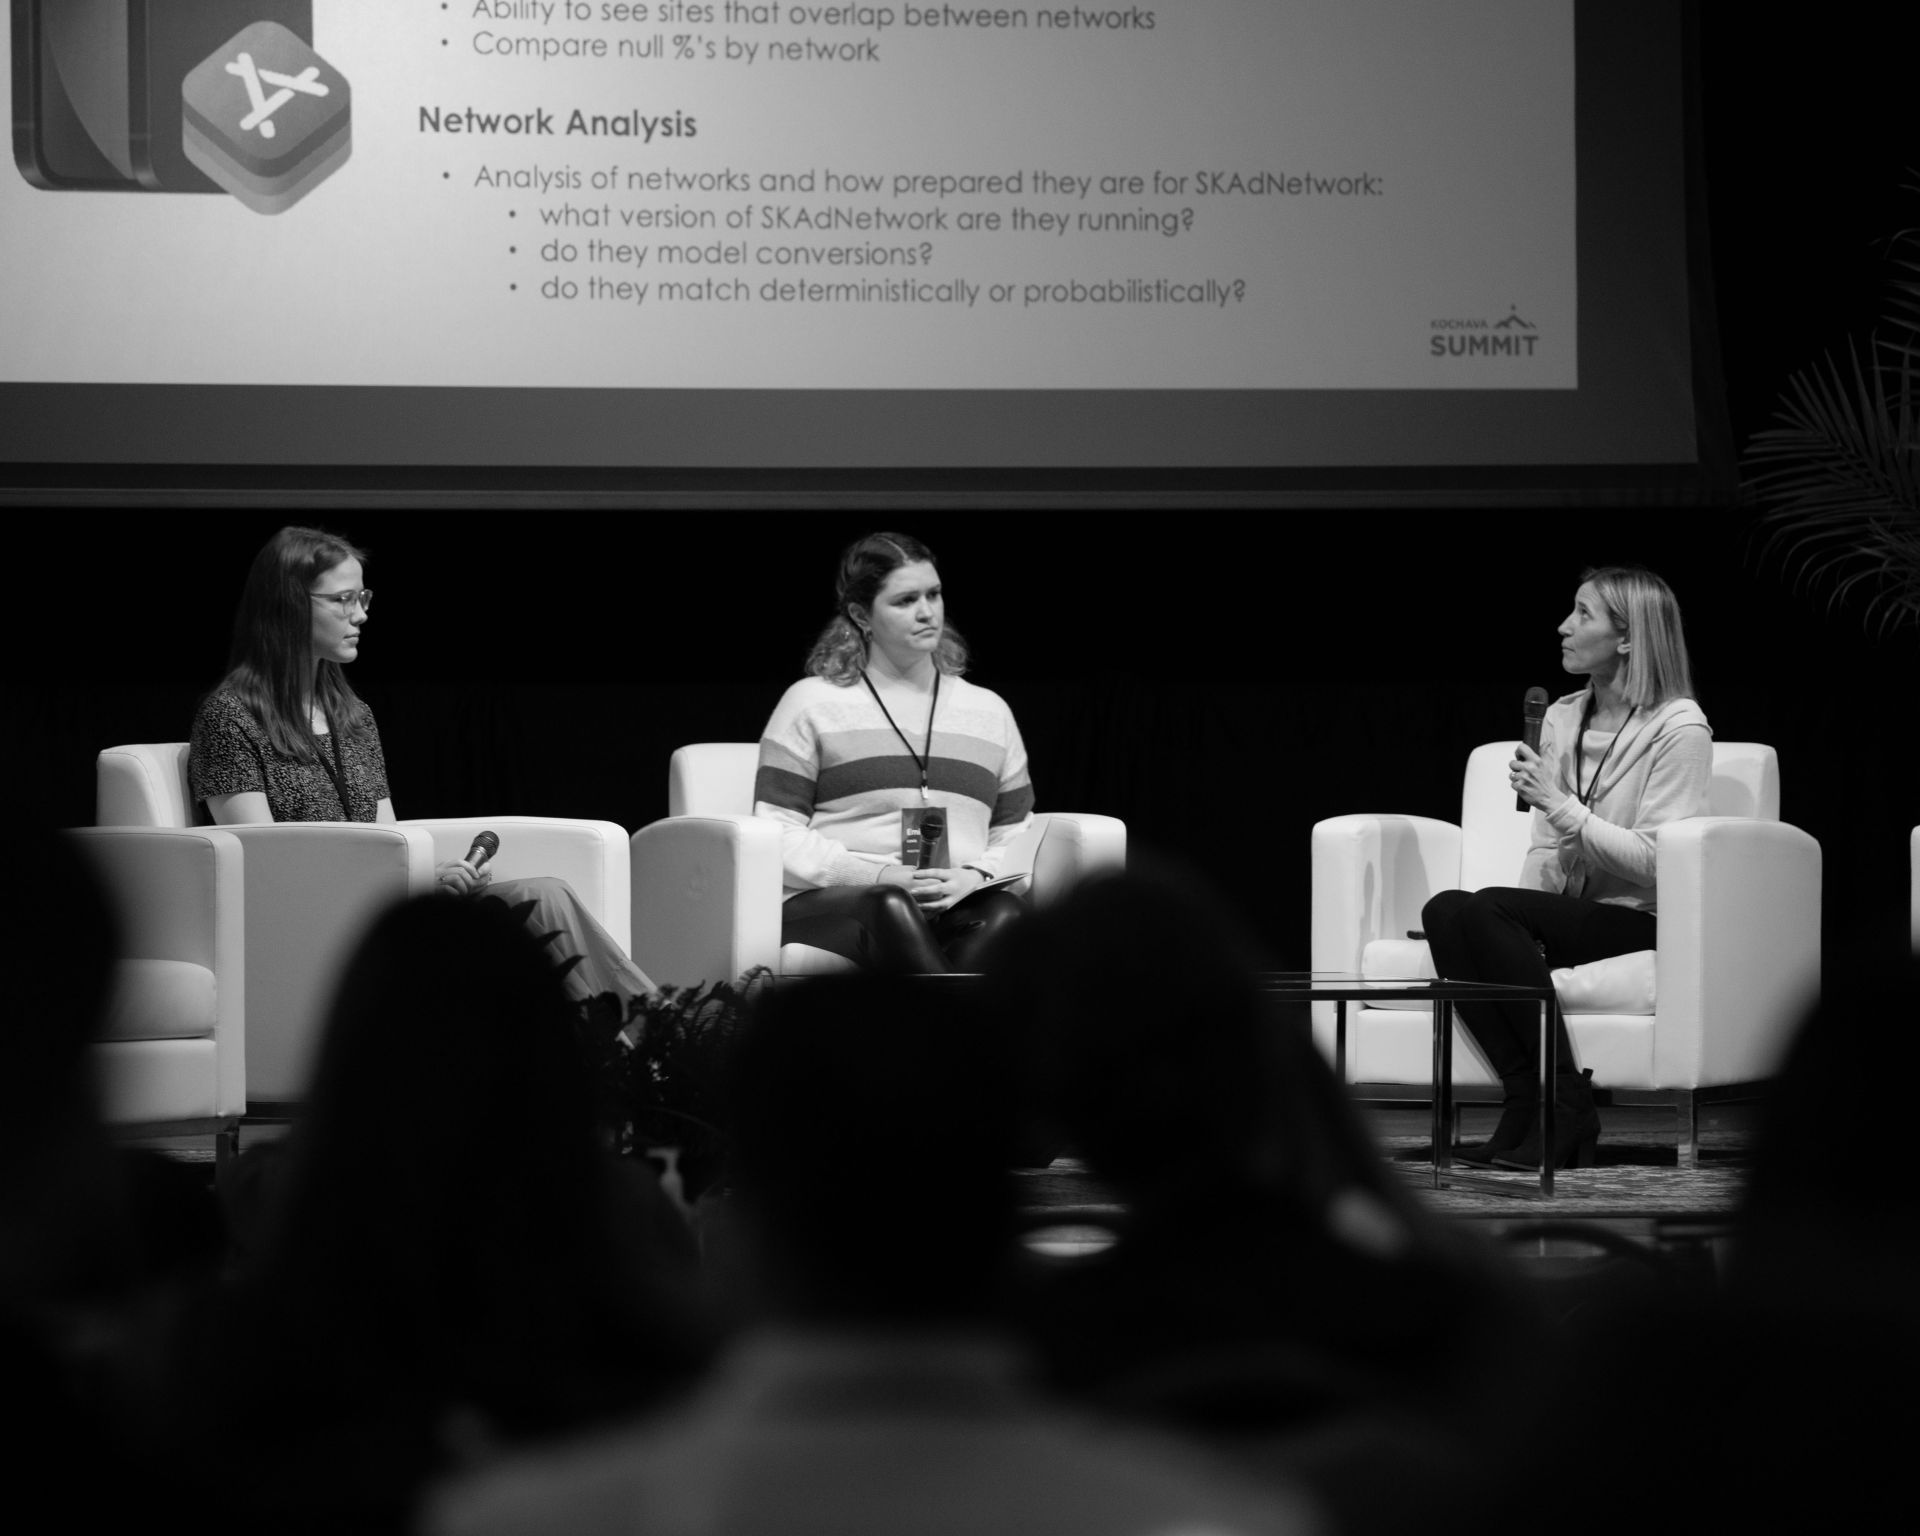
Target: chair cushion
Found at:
x=1619, y=984
x=805, y=960
x=1398, y=960
x=160, y=1000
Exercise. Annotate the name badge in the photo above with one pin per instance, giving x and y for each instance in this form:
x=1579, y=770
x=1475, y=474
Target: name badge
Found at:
x=923, y=837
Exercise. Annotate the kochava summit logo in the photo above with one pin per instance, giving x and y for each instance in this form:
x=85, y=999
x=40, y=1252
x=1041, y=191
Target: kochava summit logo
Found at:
x=1513, y=336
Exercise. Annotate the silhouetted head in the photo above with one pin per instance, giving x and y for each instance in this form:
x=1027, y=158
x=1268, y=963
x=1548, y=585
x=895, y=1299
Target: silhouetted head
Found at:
x=63, y=944
x=1149, y=1041
x=871, y=1132
x=449, y=1122
x=64, y=1235
x=1829, y=1216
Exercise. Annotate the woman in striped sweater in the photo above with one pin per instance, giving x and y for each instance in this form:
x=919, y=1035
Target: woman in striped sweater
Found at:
x=883, y=729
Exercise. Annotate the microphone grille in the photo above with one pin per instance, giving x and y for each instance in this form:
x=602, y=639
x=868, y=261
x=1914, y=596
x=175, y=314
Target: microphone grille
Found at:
x=1535, y=703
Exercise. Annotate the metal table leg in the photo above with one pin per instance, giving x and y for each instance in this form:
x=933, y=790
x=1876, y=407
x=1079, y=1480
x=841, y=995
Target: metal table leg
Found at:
x=1549, y=1049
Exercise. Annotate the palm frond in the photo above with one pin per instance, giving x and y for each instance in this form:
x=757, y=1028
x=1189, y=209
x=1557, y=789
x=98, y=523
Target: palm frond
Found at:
x=1838, y=475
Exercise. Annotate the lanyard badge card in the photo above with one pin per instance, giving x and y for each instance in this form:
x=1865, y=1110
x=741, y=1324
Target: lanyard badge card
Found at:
x=923, y=837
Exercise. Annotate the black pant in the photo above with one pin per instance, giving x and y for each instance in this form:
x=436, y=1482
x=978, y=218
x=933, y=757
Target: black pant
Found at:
x=1496, y=935
x=883, y=929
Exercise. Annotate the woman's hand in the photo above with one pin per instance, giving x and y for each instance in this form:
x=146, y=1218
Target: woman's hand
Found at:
x=1530, y=779
x=937, y=889
x=459, y=878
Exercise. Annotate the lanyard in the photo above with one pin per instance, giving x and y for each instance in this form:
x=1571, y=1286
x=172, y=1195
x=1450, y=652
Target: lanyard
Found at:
x=339, y=784
x=1585, y=796
x=919, y=761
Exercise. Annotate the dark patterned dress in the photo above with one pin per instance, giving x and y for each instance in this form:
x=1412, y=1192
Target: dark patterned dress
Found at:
x=231, y=754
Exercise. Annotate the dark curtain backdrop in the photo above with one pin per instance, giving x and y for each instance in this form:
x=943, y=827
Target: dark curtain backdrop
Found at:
x=1219, y=682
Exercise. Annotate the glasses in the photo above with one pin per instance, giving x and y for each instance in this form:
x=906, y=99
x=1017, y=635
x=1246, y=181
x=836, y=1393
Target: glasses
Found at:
x=345, y=601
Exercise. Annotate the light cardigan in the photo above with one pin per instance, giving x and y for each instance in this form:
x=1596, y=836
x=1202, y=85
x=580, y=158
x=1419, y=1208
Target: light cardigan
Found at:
x=836, y=776
x=1658, y=771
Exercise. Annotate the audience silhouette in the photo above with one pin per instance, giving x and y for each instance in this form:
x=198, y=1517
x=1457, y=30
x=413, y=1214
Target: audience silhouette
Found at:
x=1271, y=1289
x=70, y=1259
x=444, y=1259
x=1790, y=1374
x=446, y=1306
x=873, y=1121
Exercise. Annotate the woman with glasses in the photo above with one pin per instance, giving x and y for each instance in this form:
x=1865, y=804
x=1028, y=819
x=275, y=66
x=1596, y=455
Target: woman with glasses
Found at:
x=283, y=737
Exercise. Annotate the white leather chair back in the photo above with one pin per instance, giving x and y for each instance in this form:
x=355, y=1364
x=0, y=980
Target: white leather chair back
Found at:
x=713, y=778
x=143, y=786
x=1493, y=835
x=1746, y=781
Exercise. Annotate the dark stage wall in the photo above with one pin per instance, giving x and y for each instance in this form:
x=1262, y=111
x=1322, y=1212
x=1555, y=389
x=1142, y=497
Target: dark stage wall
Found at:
x=1220, y=683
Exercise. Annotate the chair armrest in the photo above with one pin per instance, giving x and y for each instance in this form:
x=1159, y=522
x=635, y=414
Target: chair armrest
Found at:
x=1371, y=876
x=181, y=895
x=591, y=856
x=706, y=898
x=1738, y=952
x=313, y=887
x=1062, y=848
x=1913, y=877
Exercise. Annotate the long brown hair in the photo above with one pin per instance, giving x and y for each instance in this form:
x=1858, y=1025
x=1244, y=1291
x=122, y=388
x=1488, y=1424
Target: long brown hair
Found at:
x=271, y=663
x=840, y=654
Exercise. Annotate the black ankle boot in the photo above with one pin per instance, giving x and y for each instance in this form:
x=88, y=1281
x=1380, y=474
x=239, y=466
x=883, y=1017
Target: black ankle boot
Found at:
x=1576, y=1127
x=1519, y=1095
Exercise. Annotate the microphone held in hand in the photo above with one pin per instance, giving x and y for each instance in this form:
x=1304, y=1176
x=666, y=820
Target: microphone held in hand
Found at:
x=1533, y=711
x=485, y=846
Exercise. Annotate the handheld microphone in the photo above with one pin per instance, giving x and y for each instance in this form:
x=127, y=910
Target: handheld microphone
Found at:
x=1533, y=711
x=486, y=845
x=933, y=828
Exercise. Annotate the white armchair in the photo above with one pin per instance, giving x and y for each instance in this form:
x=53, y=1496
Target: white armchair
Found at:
x=170, y=1058
x=707, y=880
x=313, y=887
x=1704, y=1016
x=1913, y=881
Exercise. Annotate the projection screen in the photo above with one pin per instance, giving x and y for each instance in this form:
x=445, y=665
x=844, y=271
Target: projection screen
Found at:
x=719, y=244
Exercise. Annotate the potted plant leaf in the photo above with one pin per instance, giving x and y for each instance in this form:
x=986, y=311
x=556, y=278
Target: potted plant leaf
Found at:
x=659, y=1069
x=1838, y=476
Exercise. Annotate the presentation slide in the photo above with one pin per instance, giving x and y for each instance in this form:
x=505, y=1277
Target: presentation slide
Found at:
x=655, y=200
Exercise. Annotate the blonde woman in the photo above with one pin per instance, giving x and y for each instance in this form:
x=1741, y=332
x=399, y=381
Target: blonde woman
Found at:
x=1618, y=759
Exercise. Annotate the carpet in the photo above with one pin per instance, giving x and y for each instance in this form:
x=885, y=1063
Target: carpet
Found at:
x=1637, y=1173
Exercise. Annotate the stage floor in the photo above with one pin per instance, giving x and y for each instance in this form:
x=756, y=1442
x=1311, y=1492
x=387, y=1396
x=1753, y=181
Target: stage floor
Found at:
x=1636, y=1192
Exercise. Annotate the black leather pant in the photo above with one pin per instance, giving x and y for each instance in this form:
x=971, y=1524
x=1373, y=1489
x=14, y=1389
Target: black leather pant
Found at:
x=882, y=928
x=1497, y=934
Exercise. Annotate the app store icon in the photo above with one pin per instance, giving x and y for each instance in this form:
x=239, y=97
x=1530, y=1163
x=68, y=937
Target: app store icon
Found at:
x=266, y=118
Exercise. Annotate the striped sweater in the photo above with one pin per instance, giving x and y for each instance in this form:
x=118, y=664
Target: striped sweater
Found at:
x=835, y=776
